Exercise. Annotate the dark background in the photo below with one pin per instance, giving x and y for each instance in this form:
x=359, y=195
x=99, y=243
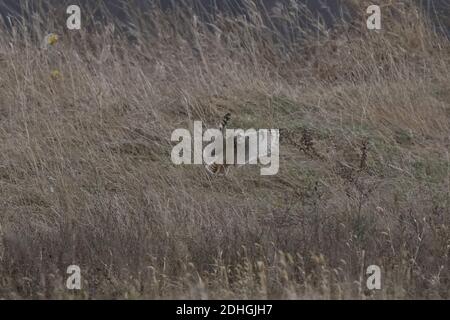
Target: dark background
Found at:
x=323, y=7
x=18, y=11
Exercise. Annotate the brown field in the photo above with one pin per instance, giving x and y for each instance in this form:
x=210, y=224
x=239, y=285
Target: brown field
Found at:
x=86, y=176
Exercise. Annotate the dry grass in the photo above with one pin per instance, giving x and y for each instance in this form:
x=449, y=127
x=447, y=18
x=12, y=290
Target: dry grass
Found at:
x=86, y=176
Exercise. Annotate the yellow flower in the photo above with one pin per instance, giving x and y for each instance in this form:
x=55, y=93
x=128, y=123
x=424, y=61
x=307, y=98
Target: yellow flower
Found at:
x=55, y=74
x=52, y=39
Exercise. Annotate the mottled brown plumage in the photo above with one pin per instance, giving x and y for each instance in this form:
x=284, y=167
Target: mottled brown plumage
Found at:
x=215, y=168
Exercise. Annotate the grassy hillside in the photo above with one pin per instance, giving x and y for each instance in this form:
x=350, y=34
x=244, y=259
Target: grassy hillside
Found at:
x=86, y=176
